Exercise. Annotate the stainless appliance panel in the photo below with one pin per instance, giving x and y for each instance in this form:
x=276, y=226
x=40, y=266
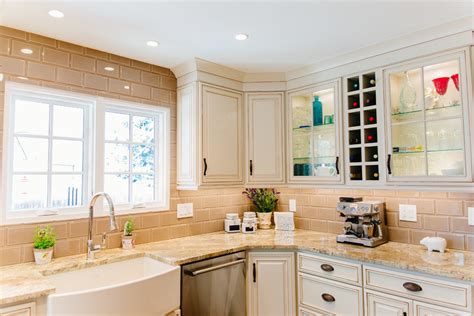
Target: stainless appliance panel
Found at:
x=214, y=287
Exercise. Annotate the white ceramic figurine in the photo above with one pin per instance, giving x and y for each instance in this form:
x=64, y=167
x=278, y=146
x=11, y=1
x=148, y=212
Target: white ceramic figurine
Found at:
x=434, y=243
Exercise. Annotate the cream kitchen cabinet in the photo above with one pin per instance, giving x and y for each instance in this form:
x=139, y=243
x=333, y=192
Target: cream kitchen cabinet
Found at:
x=315, y=135
x=271, y=284
x=27, y=309
x=210, y=136
x=377, y=304
x=264, y=138
x=429, y=120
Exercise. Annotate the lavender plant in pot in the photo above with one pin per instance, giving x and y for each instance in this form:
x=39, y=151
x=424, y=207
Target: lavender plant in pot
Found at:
x=128, y=238
x=43, y=243
x=264, y=201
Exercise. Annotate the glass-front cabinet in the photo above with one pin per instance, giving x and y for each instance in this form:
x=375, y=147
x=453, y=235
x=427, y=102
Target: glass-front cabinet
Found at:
x=314, y=134
x=428, y=124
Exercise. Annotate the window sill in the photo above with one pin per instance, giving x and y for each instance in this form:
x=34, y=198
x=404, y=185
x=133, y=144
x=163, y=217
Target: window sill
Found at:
x=79, y=214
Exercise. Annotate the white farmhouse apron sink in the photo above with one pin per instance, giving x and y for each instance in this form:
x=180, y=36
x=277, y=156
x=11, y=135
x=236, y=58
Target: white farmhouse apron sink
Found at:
x=141, y=286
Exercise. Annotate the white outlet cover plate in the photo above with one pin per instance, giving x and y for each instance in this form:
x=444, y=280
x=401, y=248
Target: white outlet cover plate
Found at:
x=292, y=203
x=407, y=212
x=470, y=216
x=185, y=210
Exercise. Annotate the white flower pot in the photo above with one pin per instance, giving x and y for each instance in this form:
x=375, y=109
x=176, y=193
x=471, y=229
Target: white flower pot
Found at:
x=264, y=220
x=128, y=242
x=43, y=256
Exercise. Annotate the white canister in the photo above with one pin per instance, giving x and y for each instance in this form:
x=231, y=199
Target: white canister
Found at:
x=232, y=223
x=249, y=224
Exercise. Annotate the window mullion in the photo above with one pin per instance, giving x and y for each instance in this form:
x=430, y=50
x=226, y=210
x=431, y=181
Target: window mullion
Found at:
x=50, y=156
x=130, y=157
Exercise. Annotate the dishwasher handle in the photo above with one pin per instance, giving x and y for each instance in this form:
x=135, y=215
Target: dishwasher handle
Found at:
x=213, y=268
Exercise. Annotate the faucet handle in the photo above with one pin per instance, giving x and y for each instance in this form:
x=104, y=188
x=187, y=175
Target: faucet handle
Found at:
x=103, y=245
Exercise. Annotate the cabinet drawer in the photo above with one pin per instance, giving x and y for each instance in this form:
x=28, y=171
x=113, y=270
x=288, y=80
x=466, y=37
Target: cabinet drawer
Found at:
x=329, y=297
x=330, y=268
x=419, y=288
x=307, y=312
x=422, y=309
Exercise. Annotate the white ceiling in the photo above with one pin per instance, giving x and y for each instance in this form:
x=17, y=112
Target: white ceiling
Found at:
x=284, y=35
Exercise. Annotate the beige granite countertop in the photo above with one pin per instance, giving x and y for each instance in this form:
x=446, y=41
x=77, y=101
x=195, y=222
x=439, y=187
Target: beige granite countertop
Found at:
x=28, y=281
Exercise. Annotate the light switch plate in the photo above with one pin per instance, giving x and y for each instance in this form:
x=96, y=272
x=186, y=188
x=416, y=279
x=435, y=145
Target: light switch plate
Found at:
x=292, y=205
x=470, y=216
x=407, y=212
x=185, y=210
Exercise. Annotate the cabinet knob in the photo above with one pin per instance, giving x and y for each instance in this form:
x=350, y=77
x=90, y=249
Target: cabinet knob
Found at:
x=328, y=297
x=412, y=287
x=327, y=267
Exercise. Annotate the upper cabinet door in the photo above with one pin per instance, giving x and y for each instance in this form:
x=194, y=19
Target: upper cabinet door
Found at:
x=265, y=130
x=314, y=142
x=428, y=123
x=222, y=135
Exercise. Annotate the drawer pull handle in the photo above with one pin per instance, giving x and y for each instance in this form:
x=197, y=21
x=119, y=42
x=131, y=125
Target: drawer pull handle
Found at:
x=327, y=267
x=412, y=287
x=328, y=297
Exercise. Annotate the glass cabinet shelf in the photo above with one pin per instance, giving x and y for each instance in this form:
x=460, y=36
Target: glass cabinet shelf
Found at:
x=314, y=141
x=426, y=124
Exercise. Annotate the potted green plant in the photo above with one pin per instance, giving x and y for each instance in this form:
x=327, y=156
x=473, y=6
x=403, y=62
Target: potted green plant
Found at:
x=43, y=243
x=128, y=239
x=265, y=201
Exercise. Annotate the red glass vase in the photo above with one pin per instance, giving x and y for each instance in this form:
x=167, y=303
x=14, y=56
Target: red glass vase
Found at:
x=441, y=85
x=456, y=81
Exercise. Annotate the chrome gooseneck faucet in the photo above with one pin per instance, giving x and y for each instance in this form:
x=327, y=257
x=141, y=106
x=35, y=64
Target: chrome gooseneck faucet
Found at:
x=91, y=249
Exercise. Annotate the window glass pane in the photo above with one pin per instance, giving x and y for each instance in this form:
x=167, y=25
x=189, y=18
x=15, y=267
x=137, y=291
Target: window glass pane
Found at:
x=116, y=126
x=116, y=157
x=143, y=158
x=67, y=155
x=143, y=129
x=31, y=118
x=143, y=188
x=66, y=190
x=29, y=191
x=30, y=154
x=68, y=121
x=117, y=187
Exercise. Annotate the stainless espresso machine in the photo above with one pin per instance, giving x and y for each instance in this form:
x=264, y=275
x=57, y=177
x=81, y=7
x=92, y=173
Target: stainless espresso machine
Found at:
x=365, y=222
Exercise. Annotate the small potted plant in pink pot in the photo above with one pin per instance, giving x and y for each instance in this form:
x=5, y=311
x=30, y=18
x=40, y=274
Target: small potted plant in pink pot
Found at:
x=128, y=241
x=265, y=201
x=43, y=243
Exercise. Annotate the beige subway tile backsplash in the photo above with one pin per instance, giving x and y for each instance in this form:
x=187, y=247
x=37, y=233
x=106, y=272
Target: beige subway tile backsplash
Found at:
x=41, y=71
x=55, y=56
x=83, y=63
x=17, y=46
x=95, y=82
x=68, y=76
x=12, y=66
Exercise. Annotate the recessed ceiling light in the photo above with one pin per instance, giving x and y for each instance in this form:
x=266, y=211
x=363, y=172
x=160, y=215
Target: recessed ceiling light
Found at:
x=26, y=51
x=56, y=14
x=152, y=43
x=126, y=87
x=241, y=37
x=108, y=68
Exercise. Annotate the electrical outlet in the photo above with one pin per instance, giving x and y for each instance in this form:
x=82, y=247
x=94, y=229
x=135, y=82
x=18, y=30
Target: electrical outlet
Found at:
x=185, y=210
x=470, y=216
x=292, y=205
x=407, y=212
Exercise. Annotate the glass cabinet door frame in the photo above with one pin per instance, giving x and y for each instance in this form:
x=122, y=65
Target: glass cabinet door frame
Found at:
x=465, y=82
x=339, y=177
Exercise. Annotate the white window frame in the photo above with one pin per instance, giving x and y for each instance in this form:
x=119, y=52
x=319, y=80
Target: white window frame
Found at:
x=93, y=161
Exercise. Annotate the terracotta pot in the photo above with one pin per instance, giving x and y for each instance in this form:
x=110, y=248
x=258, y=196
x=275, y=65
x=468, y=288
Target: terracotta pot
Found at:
x=264, y=220
x=43, y=256
x=128, y=242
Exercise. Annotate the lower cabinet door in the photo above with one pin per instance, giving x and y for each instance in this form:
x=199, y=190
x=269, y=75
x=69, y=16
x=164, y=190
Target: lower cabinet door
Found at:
x=329, y=297
x=307, y=312
x=377, y=304
x=27, y=309
x=271, y=284
x=422, y=309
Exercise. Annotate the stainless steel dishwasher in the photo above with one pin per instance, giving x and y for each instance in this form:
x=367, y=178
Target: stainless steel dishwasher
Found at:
x=214, y=287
